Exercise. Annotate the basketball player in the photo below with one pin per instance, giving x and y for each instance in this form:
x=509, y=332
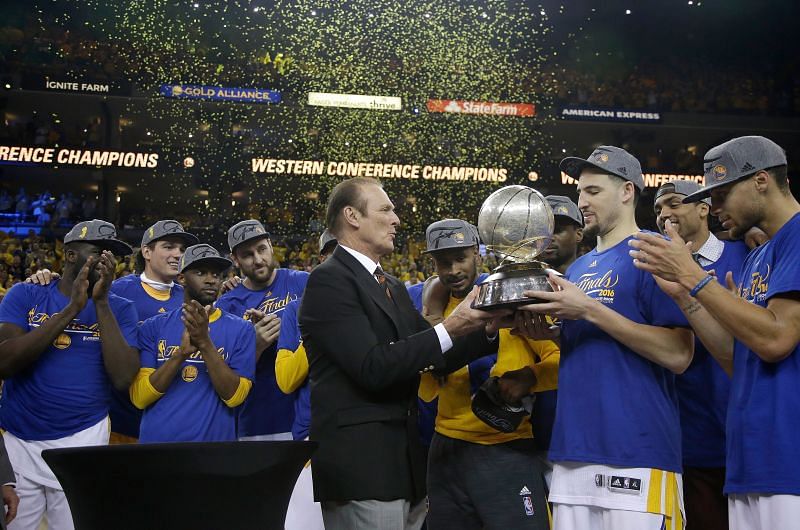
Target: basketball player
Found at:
x=57, y=370
x=197, y=363
x=268, y=413
x=616, y=439
x=752, y=329
x=479, y=477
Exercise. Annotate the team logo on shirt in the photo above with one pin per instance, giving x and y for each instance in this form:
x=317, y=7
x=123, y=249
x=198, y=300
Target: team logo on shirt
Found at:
x=90, y=332
x=189, y=373
x=62, y=342
x=275, y=304
x=600, y=287
x=165, y=351
x=757, y=290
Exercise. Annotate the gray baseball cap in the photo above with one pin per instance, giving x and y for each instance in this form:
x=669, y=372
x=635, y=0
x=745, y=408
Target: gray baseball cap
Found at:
x=100, y=233
x=681, y=187
x=564, y=207
x=450, y=233
x=609, y=159
x=737, y=159
x=206, y=254
x=324, y=239
x=168, y=228
x=245, y=231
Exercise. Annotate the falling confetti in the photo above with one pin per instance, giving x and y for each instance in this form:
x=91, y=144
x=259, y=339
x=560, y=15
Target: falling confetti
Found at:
x=490, y=51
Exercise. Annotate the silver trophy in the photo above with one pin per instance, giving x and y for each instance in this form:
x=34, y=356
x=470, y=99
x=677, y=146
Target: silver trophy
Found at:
x=516, y=223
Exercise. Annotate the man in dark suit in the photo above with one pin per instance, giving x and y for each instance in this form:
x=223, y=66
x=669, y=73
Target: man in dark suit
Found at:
x=7, y=481
x=367, y=347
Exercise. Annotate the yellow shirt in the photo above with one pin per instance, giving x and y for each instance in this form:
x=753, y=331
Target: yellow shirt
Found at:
x=455, y=418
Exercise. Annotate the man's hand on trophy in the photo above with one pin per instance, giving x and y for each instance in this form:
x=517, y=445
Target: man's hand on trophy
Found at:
x=535, y=326
x=464, y=319
x=566, y=301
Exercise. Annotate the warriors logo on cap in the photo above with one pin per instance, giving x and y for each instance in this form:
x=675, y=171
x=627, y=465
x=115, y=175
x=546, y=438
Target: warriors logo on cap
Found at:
x=203, y=253
x=245, y=231
x=720, y=172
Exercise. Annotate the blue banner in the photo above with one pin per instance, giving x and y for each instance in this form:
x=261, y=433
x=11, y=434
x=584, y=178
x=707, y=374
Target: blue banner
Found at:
x=219, y=93
x=606, y=114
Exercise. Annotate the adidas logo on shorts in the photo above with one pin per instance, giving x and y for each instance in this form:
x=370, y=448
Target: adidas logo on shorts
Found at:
x=524, y=491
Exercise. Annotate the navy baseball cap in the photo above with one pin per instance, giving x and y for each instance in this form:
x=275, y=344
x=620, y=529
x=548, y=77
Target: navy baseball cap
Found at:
x=450, y=233
x=325, y=239
x=564, y=207
x=203, y=254
x=246, y=231
x=100, y=233
x=168, y=228
x=735, y=160
x=608, y=159
x=681, y=187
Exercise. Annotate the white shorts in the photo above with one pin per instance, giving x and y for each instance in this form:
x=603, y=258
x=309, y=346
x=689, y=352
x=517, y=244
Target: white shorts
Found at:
x=277, y=437
x=303, y=512
x=608, y=496
x=577, y=517
x=38, y=488
x=763, y=512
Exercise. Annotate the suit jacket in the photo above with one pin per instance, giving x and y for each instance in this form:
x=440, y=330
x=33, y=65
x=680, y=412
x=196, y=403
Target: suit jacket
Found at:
x=365, y=355
x=6, y=471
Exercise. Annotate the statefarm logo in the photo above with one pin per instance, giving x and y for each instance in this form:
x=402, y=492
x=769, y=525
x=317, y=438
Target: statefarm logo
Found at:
x=457, y=106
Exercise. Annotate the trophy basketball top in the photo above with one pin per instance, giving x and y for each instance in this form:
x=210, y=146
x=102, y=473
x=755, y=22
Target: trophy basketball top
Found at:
x=516, y=223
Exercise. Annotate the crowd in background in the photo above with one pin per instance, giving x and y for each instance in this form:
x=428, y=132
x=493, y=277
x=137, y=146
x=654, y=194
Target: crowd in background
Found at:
x=22, y=255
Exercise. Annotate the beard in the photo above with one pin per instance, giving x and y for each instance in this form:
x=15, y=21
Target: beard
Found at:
x=262, y=275
x=591, y=231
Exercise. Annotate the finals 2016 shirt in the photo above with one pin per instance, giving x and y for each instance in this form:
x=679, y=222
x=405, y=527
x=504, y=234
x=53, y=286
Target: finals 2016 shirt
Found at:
x=615, y=407
x=66, y=390
x=191, y=410
x=266, y=410
x=763, y=430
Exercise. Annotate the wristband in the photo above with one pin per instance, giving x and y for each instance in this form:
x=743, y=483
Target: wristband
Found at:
x=702, y=283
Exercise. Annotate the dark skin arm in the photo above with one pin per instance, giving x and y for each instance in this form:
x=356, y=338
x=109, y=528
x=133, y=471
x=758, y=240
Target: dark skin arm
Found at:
x=165, y=374
x=119, y=358
x=19, y=349
x=224, y=379
x=434, y=300
x=516, y=384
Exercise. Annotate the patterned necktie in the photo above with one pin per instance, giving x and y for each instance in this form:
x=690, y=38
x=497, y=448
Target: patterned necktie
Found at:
x=381, y=277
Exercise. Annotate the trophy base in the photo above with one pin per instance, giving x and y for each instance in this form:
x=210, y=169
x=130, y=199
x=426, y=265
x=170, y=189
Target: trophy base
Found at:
x=504, y=287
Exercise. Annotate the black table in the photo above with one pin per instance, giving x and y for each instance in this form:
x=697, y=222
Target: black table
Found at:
x=176, y=486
